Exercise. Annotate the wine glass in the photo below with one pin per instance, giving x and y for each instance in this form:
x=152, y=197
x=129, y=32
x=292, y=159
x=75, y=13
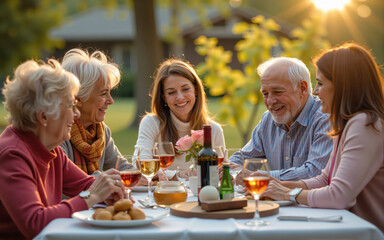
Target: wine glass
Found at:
x=166, y=153
x=220, y=153
x=234, y=170
x=149, y=166
x=256, y=184
x=129, y=177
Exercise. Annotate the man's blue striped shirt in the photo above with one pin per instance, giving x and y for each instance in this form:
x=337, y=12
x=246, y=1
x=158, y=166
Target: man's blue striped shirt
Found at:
x=298, y=153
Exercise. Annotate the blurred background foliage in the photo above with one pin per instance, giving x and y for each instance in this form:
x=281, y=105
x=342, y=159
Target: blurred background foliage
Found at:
x=24, y=28
x=238, y=88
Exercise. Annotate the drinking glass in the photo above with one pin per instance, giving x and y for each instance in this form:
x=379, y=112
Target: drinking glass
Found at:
x=256, y=184
x=129, y=177
x=149, y=166
x=166, y=153
x=234, y=170
x=220, y=154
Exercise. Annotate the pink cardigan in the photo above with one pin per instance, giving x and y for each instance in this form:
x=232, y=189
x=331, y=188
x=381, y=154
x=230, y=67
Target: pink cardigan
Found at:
x=357, y=181
x=32, y=181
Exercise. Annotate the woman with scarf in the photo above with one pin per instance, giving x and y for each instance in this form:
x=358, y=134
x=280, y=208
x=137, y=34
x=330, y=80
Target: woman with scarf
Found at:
x=91, y=146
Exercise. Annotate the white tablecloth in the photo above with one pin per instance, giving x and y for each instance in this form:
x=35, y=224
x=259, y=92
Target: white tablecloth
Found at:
x=172, y=227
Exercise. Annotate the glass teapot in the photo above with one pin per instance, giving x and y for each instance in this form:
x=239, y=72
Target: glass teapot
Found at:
x=169, y=192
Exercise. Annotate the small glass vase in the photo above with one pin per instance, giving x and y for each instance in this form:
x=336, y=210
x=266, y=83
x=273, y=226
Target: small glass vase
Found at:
x=192, y=176
x=192, y=171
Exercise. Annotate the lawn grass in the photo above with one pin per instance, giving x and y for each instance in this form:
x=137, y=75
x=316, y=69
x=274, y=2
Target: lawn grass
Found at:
x=120, y=115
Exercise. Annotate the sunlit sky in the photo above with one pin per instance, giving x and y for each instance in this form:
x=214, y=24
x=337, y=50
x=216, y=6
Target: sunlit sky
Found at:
x=327, y=5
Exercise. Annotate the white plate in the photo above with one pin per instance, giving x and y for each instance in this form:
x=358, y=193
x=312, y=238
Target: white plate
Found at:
x=142, y=189
x=283, y=203
x=152, y=215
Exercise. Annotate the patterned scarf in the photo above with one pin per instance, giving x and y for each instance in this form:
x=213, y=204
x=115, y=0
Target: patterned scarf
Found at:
x=88, y=145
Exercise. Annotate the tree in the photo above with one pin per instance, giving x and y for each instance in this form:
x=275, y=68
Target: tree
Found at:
x=148, y=53
x=238, y=88
x=24, y=28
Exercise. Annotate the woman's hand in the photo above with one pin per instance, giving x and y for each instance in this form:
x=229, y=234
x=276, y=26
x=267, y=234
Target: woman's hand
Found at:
x=277, y=191
x=107, y=187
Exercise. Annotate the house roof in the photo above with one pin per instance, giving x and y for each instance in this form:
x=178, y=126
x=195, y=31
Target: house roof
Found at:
x=100, y=24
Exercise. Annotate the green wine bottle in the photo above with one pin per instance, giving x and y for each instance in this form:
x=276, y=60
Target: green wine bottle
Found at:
x=226, y=187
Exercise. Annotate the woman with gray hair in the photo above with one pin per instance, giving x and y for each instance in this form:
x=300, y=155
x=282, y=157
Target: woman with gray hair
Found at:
x=91, y=146
x=34, y=171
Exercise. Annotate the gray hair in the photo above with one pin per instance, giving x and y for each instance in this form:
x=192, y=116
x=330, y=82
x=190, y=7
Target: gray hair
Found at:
x=90, y=69
x=37, y=87
x=297, y=70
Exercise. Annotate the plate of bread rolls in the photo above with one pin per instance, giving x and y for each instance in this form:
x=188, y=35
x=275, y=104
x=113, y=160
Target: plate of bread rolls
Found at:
x=121, y=214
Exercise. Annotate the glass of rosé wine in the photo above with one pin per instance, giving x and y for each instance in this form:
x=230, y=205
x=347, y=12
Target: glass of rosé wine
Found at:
x=164, y=151
x=220, y=154
x=256, y=183
x=129, y=177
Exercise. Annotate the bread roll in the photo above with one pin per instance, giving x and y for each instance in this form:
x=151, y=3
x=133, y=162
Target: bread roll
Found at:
x=123, y=205
x=136, y=213
x=96, y=211
x=122, y=216
x=111, y=209
x=103, y=215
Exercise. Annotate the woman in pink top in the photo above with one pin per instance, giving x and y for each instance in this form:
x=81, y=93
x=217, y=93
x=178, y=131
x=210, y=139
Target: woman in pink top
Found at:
x=34, y=171
x=350, y=86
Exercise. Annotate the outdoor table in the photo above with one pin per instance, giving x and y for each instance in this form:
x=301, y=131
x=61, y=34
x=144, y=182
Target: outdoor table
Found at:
x=172, y=227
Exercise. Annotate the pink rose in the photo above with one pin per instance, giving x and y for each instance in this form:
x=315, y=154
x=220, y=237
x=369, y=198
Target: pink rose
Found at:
x=198, y=136
x=184, y=143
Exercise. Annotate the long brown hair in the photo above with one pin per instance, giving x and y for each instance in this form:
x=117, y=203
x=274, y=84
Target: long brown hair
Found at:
x=357, y=82
x=199, y=115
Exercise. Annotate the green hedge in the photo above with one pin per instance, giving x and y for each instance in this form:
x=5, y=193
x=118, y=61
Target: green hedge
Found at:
x=126, y=86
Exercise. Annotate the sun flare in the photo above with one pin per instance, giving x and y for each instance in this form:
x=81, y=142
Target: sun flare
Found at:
x=327, y=5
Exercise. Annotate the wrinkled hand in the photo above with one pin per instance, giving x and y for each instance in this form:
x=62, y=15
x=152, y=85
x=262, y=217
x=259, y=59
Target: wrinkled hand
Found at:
x=182, y=174
x=159, y=177
x=277, y=191
x=143, y=181
x=108, y=187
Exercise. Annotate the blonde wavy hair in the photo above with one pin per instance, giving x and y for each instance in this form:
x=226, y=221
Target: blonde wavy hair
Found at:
x=91, y=68
x=37, y=87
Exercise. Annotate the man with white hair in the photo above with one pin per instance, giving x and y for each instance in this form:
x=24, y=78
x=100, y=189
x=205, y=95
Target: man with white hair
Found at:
x=292, y=134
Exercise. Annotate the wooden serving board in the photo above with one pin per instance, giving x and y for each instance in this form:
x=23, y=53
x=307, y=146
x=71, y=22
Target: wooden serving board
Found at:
x=192, y=209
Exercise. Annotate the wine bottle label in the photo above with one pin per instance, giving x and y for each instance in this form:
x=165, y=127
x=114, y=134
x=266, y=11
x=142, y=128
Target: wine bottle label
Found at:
x=227, y=196
x=214, y=176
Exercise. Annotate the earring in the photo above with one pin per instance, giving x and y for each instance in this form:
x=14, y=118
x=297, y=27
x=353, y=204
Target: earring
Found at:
x=45, y=124
x=165, y=105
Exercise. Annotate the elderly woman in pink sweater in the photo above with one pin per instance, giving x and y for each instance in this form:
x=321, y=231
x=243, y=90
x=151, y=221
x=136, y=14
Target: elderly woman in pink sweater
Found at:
x=350, y=87
x=34, y=171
